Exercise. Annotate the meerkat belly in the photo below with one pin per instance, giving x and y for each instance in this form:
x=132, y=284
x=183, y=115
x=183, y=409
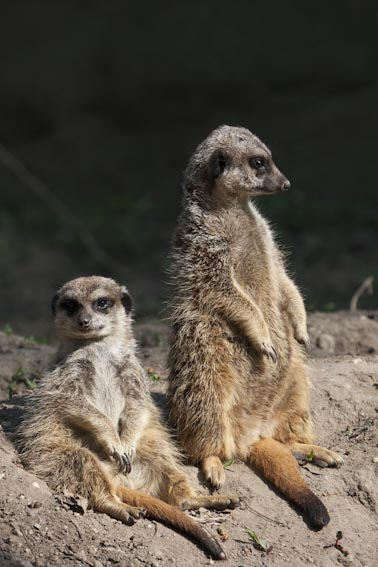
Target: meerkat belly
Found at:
x=107, y=395
x=253, y=424
x=258, y=394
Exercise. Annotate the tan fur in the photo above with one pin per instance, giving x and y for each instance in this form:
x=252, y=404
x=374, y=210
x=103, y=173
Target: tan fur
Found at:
x=238, y=376
x=91, y=426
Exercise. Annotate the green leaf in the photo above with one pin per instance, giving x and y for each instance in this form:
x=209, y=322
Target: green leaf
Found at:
x=21, y=376
x=155, y=377
x=228, y=463
x=259, y=542
x=311, y=456
x=7, y=330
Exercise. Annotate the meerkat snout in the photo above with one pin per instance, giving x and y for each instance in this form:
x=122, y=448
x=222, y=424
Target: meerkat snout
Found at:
x=85, y=320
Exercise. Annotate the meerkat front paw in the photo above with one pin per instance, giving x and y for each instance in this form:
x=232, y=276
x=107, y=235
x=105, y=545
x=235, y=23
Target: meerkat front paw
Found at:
x=302, y=337
x=130, y=451
x=122, y=459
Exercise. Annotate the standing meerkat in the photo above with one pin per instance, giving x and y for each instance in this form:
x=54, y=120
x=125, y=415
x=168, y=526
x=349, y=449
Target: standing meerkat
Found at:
x=238, y=386
x=92, y=428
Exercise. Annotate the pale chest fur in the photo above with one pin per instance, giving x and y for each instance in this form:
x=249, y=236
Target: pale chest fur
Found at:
x=256, y=260
x=104, y=390
x=106, y=393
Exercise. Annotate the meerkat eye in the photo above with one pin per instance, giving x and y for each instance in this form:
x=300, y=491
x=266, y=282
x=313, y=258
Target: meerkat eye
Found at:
x=258, y=163
x=103, y=303
x=70, y=306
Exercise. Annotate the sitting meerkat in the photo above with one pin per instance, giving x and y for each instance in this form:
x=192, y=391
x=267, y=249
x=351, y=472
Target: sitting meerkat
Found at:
x=238, y=385
x=92, y=428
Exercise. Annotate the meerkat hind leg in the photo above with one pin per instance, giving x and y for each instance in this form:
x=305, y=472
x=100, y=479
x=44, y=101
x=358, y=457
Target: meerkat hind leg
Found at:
x=89, y=477
x=315, y=454
x=213, y=471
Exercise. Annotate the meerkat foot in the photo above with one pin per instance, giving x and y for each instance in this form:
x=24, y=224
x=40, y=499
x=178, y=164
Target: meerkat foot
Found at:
x=218, y=502
x=123, y=512
x=213, y=471
x=136, y=512
x=317, y=455
x=122, y=459
x=268, y=350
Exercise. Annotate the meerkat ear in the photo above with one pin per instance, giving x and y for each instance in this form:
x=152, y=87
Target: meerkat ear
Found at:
x=53, y=303
x=218, y=163
x=126, y=300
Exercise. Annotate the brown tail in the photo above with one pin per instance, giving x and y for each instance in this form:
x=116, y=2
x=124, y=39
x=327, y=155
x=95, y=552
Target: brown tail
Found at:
x=276, y=463
x=163, y=512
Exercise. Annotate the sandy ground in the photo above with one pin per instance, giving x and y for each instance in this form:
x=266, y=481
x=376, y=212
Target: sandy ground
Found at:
x=41, y=529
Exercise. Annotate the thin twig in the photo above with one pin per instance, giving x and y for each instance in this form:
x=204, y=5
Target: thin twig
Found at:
x=276, y=522
x=212, y=520
x=65, y=215
x=367, y=285
x=77, y=528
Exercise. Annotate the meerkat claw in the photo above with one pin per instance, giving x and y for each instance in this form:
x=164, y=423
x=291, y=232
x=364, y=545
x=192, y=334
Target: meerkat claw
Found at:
x=122, y=460
x=128, y=520
x=303, y=339
x=269, y=351
x=136, y=512
x=126, y=464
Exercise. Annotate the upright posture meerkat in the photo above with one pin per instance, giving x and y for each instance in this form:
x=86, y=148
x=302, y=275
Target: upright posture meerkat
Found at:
x=238, y=384
x=91, y=426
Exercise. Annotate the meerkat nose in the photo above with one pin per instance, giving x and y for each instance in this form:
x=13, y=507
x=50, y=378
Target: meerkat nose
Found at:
x=286, y=185
x=85, y=322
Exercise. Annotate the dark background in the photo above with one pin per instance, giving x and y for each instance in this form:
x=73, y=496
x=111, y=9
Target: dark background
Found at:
x=104, y=101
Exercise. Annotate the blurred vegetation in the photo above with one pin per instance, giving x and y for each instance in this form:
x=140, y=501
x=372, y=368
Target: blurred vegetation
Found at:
x=105, y=107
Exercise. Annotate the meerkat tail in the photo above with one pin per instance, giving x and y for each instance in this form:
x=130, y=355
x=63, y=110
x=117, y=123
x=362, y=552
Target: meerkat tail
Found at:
x=173, y=517
x=276, y=463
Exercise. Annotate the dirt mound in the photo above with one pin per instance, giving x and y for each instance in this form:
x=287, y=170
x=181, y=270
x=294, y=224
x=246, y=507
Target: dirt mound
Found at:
x=39, y=528
x=343, y=332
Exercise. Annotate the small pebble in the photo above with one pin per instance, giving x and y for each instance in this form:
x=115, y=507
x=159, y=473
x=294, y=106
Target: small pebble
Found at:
x=375, y=459
x=35, y=484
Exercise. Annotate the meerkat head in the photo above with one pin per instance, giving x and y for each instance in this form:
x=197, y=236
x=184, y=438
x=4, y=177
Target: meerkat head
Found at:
x=232, y=164
x=91, y=308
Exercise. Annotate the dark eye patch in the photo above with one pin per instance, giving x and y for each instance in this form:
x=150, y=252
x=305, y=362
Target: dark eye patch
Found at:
x=70, y=306
x=102, y=304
